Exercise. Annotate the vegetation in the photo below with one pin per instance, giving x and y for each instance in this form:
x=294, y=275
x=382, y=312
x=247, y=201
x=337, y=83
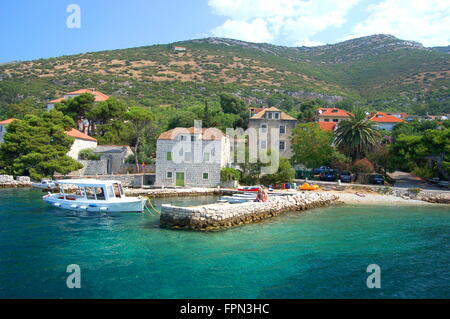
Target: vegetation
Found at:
x=37, y=146
x=357, y=136
x=88, y=155
x=229, y=174
x=284, y=174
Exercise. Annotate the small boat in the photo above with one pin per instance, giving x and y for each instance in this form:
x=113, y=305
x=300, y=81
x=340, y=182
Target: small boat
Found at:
x=308, y=187
x=45, y=184
x=94, y=196
x=248, y=189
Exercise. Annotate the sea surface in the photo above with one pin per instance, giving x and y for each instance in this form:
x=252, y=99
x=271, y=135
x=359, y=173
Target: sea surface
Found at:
x=320, y=253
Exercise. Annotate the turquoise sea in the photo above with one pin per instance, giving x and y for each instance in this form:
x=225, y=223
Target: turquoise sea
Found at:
x=321, y=253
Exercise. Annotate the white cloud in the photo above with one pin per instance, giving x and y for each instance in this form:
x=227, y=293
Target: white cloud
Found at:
x=290, y=22
x=427, y=22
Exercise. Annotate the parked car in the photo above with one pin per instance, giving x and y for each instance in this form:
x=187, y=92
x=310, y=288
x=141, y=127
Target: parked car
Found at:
x=329, y=175
x=346, y=177
x=444, y=184
x=376, y=179
x=320, y=170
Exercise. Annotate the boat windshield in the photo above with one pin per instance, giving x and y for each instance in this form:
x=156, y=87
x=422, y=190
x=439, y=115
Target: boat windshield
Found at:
x=100, y=193
x=118, y=191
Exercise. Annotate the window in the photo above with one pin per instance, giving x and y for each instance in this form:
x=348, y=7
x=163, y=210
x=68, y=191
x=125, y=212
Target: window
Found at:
x=205, y=157
x=282, y=129
x=169, y=175
x=192, y=138
x=205, y=175
x=335, y=120
x=334, y=111
x=169, y=156
x=117, y=190
x=326, y=120
x=100, y=193
x=263, y=145
x=90, y=193
x=269, y=115
x=182, y=138
x=1, y=128
x=276, y=115
x=263, y=128
x=282, y=145
x=110, y=191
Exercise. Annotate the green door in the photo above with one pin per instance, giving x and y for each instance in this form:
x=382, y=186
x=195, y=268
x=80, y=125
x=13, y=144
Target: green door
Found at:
x=180, y=179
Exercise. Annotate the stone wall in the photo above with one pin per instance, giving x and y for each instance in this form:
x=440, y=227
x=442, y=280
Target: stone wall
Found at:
x=217, y=216
x=78, y=145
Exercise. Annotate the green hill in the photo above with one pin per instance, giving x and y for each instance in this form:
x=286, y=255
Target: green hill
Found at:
x=381, y=70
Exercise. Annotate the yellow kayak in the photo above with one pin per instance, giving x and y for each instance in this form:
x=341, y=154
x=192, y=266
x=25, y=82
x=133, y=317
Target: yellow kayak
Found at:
x=307, y=187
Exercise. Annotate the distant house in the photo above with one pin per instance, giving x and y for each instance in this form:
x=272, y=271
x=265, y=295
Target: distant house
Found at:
x=272, y=118
x=3, y=125
x=115, y=157
x=331, y=114
x=327, y=126
x=99, y=97
x=191, y=157
x=179, y=48
x=385, y=121
x=402, y=116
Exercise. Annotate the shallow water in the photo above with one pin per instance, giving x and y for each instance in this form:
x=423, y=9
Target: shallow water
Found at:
x=321, y=253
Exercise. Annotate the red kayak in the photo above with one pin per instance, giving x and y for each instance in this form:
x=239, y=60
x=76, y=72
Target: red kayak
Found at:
x=249, y=189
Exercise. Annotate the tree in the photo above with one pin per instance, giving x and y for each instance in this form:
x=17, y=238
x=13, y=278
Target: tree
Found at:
x=232, y=104
x=207, y=116
x=311, y=145
x=102, y=113
x=78, y=107
x=142, y=126
x=229, y=174
x=308, y=110
x=284, y=174
x=24, y=107
x=357, y=135
x=38, y=146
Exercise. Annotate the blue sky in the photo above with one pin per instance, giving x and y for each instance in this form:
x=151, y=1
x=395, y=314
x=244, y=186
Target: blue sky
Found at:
x=33, y=29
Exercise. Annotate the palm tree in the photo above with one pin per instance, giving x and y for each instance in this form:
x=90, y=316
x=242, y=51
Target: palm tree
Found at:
x=357, y=135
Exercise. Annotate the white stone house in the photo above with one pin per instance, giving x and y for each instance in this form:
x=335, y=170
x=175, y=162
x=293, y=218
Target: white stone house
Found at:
x=81, y=141
x=191, y=157
x=385, y=121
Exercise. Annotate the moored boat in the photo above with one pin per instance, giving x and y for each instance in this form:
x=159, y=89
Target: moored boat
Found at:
x=45, y=184
x=94, y=196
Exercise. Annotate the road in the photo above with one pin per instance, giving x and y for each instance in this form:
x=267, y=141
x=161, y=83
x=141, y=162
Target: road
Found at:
x=409, y=180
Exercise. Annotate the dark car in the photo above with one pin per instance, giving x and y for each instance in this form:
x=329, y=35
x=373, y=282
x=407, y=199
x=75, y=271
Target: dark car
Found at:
x=346, y=177
x=328, y=175
x=320, y=170
x=376, y=179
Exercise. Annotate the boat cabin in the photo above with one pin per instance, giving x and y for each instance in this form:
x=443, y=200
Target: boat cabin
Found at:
x=88, y=189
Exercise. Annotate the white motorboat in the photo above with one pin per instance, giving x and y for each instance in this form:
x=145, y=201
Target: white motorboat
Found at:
x=94, y=196
x=45, y=184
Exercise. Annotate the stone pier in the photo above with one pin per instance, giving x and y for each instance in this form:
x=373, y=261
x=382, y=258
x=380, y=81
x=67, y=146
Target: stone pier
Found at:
x=219, y=216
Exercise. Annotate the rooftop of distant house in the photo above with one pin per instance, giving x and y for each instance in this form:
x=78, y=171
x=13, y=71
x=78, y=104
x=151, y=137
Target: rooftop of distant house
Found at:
x=381, y=117
x=283, y=116
x=327, y=126
x=256, y=110
x=99, y=96
x=6, y=122
x=80, y=135
x=210, y=134
x=333, y=111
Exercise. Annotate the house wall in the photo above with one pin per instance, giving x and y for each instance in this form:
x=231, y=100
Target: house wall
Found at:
x=2, y=132
x=385, y=126
x=274, y=124
x=193, y=172
x=79, y=145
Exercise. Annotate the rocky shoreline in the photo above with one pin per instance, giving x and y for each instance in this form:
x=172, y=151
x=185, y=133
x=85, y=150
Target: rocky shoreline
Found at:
x=7, y=181
x=222, y=216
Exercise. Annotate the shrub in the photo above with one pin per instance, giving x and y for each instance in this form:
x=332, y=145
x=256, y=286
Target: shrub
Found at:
x=363, y=166
x=88, y=155
x=229, y=174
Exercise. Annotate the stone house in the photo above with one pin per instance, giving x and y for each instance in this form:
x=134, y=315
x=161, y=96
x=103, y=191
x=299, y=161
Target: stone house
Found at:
x=99, y=97
x=191, y=157
x=272, y=118
x=81, y=141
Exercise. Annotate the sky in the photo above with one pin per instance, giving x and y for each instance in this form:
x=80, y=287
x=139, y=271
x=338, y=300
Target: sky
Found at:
x=33, y=29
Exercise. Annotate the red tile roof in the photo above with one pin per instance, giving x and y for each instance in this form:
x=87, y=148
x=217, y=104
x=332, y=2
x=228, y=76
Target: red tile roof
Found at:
x=207, y=133
x=5, y=122
x=333, y=111
x=80, y=135
x=57, y=100
x=256, y=109
x=99, y=96
x=381, y=117
x=327, y=126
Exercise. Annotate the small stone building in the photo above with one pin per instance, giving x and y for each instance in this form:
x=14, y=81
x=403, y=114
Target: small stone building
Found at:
x=191, y=157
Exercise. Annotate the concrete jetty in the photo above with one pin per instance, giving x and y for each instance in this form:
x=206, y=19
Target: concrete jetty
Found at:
x=223, y=215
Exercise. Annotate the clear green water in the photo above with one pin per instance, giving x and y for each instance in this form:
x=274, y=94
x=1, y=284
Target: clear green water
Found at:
x=321, y=253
